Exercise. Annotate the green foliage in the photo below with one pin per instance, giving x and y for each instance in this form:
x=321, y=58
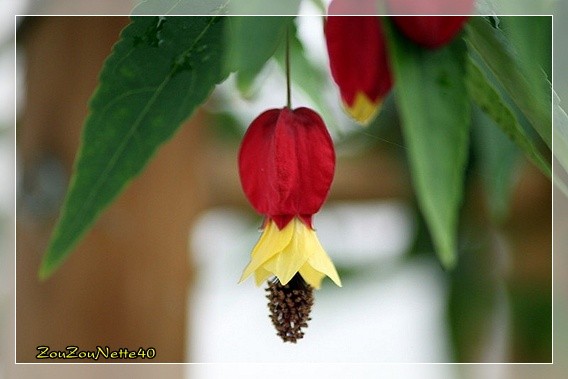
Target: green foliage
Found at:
x=492, y=102
x=531, y=38
x=522, y=58
x=526, y=90
x=180, y=7
x=262, y=7
x=252, y=41
x=531, y=316
x=498, y=158
x=475, y=293
x=435, y=111
x=560, y=131
x=156, y=76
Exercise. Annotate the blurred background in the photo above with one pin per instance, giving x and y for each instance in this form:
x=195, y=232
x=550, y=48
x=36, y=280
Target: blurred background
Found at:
x=160, y=267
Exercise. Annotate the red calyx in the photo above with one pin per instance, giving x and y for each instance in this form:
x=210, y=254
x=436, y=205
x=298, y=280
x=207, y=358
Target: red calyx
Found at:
x=357, y=55
x=430, y=31
x=286, y=164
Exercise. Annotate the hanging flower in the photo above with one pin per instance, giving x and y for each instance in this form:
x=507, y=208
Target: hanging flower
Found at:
x=286, y=166
x=358, y=61
x=430, y=31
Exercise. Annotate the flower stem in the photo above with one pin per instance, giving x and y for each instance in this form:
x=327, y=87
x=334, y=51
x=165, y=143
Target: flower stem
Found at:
x=288, y=91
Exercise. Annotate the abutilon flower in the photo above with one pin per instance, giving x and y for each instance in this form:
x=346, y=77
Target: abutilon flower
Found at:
x=358, y=61
x=430, y=31
x=286, y=166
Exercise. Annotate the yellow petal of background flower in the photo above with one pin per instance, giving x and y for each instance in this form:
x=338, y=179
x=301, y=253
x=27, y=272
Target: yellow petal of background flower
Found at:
x=271, y=242
x=363, y=108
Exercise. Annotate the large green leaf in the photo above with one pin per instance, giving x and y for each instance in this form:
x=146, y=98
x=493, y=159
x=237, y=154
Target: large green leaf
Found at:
x=156, y=76
x=525, y=90
x=252, y=41
x=489, y=99
x=435, y=110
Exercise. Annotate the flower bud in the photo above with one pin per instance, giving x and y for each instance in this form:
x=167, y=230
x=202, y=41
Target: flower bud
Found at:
x=358, y=61
x=430, y=31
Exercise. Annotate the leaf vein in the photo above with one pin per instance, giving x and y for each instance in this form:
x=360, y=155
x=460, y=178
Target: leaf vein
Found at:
x=120, y=150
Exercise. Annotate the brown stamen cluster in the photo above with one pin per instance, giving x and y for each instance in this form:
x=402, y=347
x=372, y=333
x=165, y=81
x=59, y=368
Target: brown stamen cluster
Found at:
x=290, y=307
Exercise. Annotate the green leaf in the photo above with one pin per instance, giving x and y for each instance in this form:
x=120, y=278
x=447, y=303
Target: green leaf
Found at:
x=531, y=37
x=497, y=158
x=530, y=314
x=263, y=7
x=156, y=76
x=476, y=292
x=516, y=7
x=216, y=7
x=560, y=146
x=498, y=54
x=252, y=41
x=489, y=99
x=180, y=7
x=435, y=112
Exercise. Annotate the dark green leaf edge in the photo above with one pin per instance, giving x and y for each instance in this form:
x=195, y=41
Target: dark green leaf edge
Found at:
x=496, y=52
x=560, y=151
x=488, y=98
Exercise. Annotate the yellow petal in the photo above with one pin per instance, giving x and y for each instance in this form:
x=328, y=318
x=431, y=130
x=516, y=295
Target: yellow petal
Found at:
x=271, y=242
x=261, y=275
x=311, y=276
x=288, y=262
x=363, y=109
x=284, y=253
x=321, y=262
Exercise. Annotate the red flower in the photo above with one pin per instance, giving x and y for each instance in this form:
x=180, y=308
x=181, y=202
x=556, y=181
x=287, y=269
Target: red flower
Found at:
x=286, y=166
x=430, y=31
x=358, y=61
